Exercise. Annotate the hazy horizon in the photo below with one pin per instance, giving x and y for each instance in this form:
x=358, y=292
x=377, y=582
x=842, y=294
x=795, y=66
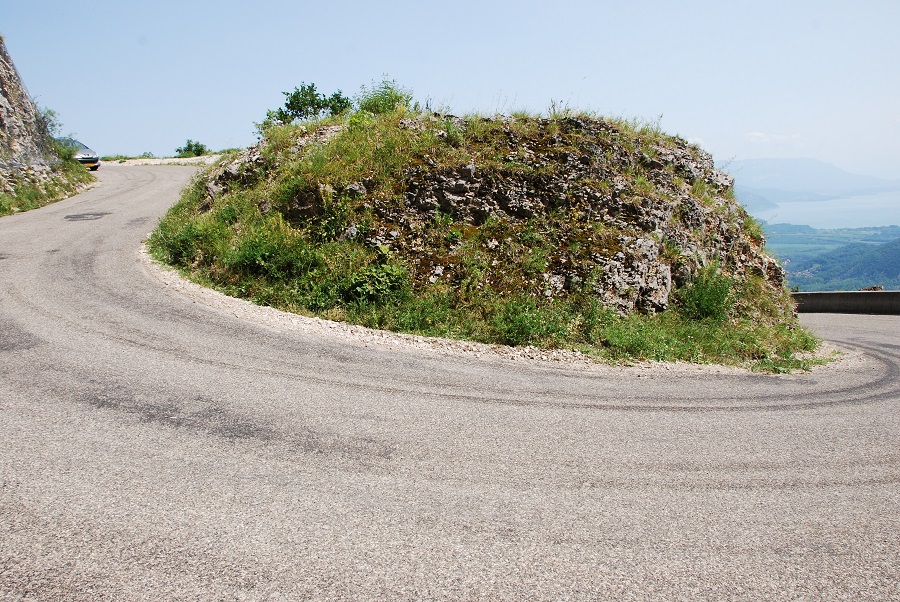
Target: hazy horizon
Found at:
x=860, y=211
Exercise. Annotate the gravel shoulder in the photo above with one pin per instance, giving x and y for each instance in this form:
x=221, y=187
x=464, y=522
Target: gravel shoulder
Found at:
x=839, y=358
x=202, y=160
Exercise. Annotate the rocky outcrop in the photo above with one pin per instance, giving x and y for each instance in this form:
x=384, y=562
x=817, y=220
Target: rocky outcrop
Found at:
x=634, y=215
x=25, y=145
x=671, y=209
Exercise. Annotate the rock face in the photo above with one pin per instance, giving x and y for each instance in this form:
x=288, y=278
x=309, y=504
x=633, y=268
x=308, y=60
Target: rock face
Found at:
x=25, y=145
x=634, y=215
x=648, y=196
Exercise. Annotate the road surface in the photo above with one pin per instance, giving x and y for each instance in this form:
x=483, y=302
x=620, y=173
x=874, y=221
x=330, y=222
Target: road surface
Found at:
x=156, y=447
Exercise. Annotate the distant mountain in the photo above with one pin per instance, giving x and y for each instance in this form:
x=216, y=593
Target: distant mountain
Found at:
x=787, y=234
x=850, y=267
x=805, y=176
x=761, y=184
x=754, y=200
x=839, y=259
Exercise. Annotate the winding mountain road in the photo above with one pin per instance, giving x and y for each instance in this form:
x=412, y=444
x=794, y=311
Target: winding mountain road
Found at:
x=156, y=447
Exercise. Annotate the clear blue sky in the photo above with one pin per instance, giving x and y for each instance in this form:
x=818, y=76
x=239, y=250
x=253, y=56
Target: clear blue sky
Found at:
x=748, y=79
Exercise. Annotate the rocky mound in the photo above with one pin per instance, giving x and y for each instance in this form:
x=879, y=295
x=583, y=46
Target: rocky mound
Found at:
x=548, y=206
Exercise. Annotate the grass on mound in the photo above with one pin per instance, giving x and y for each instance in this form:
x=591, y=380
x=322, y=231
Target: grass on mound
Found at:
x=309, y=268
x=68, y=177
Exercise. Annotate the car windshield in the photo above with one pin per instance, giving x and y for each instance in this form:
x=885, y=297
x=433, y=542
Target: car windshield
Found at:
x=72, y=142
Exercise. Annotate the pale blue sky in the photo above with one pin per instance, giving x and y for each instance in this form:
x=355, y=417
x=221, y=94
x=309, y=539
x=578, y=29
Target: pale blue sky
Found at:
x=744, y=79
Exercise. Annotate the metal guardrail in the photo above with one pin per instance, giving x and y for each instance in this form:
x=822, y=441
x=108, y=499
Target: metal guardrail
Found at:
x=849, y=302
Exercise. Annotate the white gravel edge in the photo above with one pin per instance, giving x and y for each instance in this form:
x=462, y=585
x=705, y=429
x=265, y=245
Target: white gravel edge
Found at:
x=843, y=359
x=195, y=161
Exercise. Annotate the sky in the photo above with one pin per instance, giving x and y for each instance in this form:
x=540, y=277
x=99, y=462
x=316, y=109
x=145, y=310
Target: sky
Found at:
x=743, y=79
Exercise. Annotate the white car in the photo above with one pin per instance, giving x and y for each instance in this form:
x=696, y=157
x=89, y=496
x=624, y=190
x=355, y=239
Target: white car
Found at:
x=83, y=154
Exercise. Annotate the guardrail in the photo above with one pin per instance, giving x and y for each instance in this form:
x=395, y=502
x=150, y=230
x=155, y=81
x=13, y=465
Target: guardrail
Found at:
x=849, y=302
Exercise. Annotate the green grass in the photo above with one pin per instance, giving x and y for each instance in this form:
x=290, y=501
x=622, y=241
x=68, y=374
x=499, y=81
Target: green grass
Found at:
x=68, y=177
x=270, y=264
x=281, y=241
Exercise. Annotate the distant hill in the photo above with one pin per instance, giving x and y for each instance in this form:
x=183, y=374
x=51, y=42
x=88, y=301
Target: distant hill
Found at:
x=850, y=267
x=805, y=176
x=761, y=184
x=839, y=259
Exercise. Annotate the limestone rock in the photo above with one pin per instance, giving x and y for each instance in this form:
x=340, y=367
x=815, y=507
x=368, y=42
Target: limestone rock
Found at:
x=25, y=145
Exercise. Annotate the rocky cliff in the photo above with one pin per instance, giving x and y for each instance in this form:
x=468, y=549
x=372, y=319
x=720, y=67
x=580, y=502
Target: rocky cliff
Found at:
x=24, y=140
x=31, y=174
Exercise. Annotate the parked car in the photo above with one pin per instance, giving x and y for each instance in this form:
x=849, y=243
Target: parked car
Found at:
x=83, y=154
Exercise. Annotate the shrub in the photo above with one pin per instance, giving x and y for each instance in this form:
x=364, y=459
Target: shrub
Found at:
x=378, y=283
x=66, y=152
x=708, y=295
x=191, y=148
x=48, y=123
x=305, y=103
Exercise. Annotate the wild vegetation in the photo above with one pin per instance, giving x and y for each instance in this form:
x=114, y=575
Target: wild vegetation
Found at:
x=29, y=189
x=332, y=215
x=305, y=102
x=67, y=178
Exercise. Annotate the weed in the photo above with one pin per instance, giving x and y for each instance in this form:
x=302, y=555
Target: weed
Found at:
x=700, y=190
x=708, y=296
x=379, y=284
x=643, y=186
x=452, y=133
x=559, y=109
x=753, y=228
x=384, y=97
x=670, y=252
x=520, y=321
x=360, y=120
x=454, y=236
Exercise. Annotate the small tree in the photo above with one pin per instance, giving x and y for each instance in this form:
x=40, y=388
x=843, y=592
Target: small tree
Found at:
x=191, y=148
x=337, y=103
x=305, y=102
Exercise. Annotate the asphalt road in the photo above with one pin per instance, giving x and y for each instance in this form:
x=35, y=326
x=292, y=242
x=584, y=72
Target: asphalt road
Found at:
x=157, y=448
